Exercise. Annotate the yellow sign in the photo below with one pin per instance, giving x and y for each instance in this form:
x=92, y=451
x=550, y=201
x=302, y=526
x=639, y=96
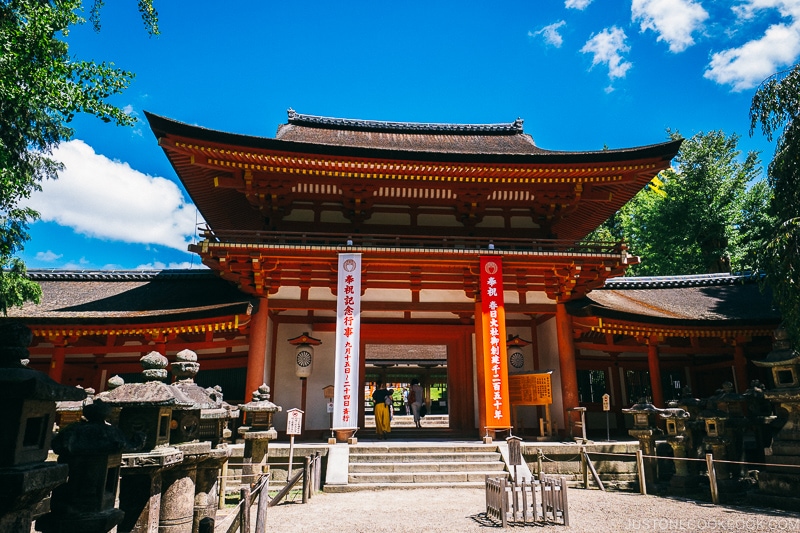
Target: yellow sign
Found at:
x=530, y=389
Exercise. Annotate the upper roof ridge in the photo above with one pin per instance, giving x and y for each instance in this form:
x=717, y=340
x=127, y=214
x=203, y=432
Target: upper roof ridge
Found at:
x=510, y=128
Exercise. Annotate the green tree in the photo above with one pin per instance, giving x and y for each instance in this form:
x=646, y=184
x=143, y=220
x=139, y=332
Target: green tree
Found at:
x=776, y=108
x=706, y=215
x=41, y=90
x=702, y=221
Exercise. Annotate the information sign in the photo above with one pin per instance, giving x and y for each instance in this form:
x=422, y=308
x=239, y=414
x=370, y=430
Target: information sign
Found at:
x=294, y=421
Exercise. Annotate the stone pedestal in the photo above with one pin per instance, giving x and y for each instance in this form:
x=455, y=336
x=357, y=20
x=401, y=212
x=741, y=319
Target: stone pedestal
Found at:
x=206, y=491
x=140, y=488
x=21, y=488
x=178, y=489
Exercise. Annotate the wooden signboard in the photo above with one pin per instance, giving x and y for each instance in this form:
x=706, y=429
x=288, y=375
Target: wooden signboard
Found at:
x=533, y=388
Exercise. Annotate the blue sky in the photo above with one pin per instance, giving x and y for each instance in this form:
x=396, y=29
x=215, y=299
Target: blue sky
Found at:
x=583, y=74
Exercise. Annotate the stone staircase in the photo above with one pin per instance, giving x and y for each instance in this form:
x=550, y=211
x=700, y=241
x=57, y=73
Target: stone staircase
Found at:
x=416, y=465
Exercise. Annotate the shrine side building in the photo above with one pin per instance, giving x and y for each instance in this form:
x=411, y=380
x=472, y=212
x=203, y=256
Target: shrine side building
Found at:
x=421, y=203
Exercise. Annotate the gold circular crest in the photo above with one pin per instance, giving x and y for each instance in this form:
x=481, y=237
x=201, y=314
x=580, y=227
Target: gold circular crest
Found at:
x=490, y=267
x=349, y=265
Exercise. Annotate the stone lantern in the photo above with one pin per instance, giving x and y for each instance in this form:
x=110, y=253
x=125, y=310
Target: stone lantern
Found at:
x=29, y=411
x=645, y=431
x=725, y=422
x=93, y=450
x=680, y=439
x=69, y=412
x=780, y=484
x=202, y=460
x=258, y=431
x=145, y=417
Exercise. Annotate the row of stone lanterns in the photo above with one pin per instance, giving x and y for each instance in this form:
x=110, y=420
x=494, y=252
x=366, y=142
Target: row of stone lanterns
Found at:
x=157, y=447
x=736, y=430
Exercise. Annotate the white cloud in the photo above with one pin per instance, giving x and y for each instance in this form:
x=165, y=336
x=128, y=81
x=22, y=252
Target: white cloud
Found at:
x=673, y=20
x=787, y=8
x=577, y=4
x=107, y=199
x=748, y=65
x=48, y=256
x=607, y=48
x=550, y=33
x=158, y=265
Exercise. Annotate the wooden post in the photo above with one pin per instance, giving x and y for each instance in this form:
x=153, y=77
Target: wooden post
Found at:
x=655, y=372
x=566, y=360
x=223, y=478
x=257, y=354
x=539, y=461
x=712, y=478
x=306, y=478
x=244, y=509
x=584, y=468
x=640, y=471
x=740, y=366
x=56, y=372
x=263, y=505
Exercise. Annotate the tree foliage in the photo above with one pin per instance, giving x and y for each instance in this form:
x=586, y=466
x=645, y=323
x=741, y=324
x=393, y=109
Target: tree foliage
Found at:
x=776, y=108
x=704, y=218
x=41, y=90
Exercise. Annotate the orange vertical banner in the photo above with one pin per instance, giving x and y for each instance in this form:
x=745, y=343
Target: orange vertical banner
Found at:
x=493, y=348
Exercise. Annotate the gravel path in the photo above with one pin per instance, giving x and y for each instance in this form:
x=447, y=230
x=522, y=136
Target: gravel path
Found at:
x=461, y=510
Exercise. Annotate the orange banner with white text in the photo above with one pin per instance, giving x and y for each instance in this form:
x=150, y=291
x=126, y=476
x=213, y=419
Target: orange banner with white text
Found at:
x=492, y=354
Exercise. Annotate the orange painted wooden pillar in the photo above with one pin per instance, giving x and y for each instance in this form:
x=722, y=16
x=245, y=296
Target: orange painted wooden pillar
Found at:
x=56, y=372
x=566, y=360
x=740, y=367
x=257, y=354
x=655, y=372
x=481, y=370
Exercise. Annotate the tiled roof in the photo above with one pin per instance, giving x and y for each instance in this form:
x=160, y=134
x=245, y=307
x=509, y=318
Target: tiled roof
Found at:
x=505, y=138
x=681, y=300
x=130, y=297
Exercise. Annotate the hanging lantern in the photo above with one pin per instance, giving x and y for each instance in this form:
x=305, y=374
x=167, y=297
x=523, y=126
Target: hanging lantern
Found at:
x=516, y=358
x=304, y=354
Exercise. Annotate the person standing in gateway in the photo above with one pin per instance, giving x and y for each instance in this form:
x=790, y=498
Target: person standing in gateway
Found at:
x=416, y=398
x=383, y=421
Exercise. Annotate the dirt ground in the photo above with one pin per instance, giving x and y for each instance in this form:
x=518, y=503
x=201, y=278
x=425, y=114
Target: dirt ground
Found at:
x=462, y=510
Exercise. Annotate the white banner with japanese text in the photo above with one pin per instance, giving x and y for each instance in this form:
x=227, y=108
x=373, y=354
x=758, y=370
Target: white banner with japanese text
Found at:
x=348, y=335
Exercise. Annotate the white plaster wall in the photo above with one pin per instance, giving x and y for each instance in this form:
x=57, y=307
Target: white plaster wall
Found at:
x=548, y=360
x=288, y=388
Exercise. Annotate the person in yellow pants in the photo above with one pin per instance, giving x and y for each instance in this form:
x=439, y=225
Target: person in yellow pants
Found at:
x=383, y=421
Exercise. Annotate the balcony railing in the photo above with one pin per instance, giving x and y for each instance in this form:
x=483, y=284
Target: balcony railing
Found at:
x=374, y=240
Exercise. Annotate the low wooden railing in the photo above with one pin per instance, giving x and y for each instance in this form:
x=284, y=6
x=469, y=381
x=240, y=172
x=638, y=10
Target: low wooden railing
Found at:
x=531, y=501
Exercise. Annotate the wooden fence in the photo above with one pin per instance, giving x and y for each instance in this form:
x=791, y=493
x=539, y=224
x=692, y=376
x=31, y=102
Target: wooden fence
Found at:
x=543, y=501
x=239, y=518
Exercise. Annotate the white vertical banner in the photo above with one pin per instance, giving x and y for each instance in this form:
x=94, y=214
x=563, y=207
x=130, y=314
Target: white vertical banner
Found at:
x=347, y=384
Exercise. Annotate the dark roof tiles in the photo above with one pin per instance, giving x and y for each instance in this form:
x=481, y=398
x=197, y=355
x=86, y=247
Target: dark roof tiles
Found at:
x=681, y=300
x=131, y=297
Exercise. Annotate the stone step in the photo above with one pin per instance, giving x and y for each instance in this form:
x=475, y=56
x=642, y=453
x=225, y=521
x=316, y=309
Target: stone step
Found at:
x=372, y=487
x=420, y=477
x=423, y=457
x=400, y=421
x=473, y=466
x=398, y=465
